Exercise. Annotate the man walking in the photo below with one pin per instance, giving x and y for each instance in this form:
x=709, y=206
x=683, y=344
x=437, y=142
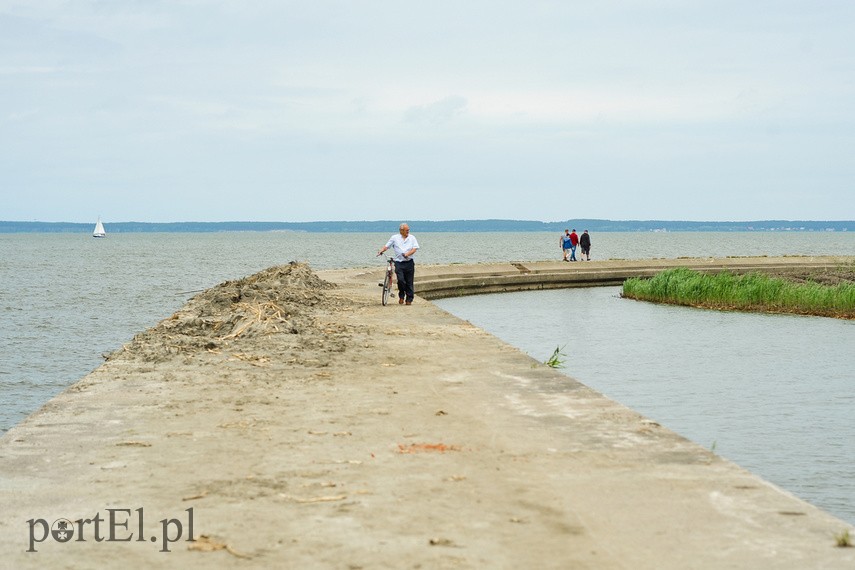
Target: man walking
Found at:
x=585, y=244
x=404, y=246
x=574, y=241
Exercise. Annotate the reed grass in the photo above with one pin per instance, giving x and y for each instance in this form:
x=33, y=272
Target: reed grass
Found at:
x=751, y=292
x=557, y=359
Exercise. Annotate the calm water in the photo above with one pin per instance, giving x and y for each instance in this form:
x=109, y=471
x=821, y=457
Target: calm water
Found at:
x=65, y=299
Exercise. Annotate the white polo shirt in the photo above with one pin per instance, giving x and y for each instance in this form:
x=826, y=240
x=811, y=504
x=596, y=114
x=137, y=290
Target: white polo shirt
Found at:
x=401, y=246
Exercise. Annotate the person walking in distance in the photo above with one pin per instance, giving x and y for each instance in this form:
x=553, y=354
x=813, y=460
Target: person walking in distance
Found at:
x=564, y=242
x=574, y=241
x=404, y=247
x=585, y=244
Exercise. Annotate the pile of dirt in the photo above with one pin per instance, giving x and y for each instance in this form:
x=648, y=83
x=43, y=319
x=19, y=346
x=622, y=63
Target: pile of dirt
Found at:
x=278, y=300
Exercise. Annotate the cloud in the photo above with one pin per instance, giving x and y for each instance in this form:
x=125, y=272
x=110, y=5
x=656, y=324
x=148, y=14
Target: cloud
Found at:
x=326, y=102
x=438, y=112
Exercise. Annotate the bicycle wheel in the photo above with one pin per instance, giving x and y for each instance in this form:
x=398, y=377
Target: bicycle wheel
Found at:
x=387, y=287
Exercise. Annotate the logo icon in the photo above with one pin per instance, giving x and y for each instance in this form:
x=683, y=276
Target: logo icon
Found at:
x=62, y=530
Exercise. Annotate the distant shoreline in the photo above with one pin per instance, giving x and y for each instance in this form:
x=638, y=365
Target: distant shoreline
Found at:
x=383, y=226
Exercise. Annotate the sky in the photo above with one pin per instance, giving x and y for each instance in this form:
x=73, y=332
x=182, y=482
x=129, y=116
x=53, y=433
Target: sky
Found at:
x=222, y=110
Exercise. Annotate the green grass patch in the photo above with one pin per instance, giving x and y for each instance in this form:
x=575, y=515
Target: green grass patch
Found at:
x=749, y=292
x=557, y=359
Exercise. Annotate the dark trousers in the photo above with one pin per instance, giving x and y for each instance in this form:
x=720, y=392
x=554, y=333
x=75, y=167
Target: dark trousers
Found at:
x=406, y=272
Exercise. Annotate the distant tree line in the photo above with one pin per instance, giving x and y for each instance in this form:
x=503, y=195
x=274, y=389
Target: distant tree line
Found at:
x=385, y=226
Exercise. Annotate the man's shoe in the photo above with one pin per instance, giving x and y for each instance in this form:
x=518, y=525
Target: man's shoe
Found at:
x=400, y=300
x=409, y=302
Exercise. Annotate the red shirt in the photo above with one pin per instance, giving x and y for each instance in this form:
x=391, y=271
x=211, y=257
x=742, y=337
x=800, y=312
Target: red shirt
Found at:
x=574, y=239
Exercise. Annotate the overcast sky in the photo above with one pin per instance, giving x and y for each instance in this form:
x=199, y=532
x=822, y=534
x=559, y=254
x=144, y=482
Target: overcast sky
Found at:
x=175, y=110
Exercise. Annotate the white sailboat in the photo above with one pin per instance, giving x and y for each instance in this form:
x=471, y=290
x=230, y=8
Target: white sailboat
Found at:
x=99, y=230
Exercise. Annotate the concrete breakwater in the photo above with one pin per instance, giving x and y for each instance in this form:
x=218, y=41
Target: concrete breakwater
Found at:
x=473, y=279
x=304, y=425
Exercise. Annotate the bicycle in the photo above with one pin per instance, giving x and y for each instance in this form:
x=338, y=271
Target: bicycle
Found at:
x=388, y=278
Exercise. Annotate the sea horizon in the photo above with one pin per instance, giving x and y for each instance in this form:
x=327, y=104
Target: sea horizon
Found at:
x=452, y=225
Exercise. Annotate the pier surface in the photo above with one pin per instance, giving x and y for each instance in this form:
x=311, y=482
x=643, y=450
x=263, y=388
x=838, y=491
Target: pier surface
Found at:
x=298, y=425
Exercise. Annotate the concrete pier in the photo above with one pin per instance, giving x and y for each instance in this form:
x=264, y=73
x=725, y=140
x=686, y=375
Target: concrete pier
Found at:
x=436, y=282
x=297, y=426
